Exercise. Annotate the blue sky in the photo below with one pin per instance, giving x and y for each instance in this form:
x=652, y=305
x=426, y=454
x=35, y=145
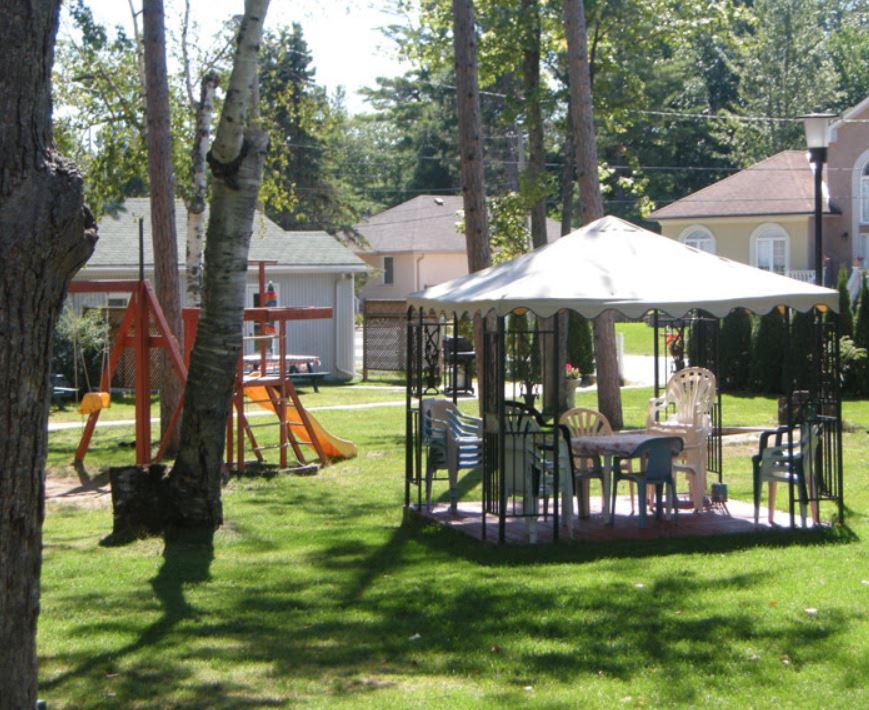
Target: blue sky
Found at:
x=344, y=37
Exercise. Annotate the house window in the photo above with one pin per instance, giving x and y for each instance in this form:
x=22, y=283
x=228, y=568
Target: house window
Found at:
x=771, y=248
x=699, y=237
x=864, y=195
x=388, y=270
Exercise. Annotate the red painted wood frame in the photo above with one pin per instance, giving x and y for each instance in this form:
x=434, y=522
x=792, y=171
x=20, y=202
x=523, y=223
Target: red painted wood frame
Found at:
x=142, y=309
x=280, y=389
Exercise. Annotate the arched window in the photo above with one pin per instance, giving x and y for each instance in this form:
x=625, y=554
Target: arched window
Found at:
x=771, y=248
x=699, y=237
x=864, y=195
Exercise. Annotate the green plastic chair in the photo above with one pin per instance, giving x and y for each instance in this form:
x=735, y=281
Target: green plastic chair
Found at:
x=656, y=469
x=784, y=463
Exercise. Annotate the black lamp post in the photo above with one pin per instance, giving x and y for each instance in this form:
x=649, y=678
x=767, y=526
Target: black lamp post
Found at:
x=817, y=139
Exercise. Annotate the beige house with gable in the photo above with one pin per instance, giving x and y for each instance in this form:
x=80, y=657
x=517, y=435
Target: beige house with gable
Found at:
x=763, y=215
x=415, y=245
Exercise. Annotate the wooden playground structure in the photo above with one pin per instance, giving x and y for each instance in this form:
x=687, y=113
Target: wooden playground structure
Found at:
x=268, y=385
x=143, y=309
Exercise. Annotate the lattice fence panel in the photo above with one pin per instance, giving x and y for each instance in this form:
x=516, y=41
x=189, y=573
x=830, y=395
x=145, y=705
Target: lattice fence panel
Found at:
x=384, y=338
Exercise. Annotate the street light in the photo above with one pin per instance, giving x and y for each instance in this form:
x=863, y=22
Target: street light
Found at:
x=817, y=139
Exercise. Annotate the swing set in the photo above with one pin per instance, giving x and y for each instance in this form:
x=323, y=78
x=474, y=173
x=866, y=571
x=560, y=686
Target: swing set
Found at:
x=270, y=387
x=142, y=311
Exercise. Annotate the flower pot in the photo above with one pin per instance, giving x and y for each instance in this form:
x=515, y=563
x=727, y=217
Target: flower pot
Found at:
x=571, y=393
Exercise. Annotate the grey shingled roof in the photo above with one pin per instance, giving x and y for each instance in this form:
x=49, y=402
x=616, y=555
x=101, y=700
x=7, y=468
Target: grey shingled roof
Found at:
x=780, y=184
x=118, y=245
x=426, y=223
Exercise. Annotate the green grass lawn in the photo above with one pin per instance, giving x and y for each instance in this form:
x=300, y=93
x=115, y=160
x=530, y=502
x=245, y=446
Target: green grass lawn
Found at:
x=639, y=338
x=313, y=592
x=123, y=405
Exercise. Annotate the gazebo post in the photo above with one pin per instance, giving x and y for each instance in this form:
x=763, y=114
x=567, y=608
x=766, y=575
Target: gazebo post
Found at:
x=409, y=440
x=454, y=375
x=556, y=381
x=483, y=392
x=837, y=365
x=656, y=353
x=419, y=348
x=790, y=422
x=717, y=425
x=499, y=383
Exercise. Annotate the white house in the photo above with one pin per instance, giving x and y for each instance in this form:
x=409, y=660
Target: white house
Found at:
x=309, y=269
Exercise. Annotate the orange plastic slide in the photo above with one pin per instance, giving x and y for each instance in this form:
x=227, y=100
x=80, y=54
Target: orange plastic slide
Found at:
x=334, y=447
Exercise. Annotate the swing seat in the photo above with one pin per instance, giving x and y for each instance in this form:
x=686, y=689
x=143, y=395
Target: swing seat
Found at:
x=94, y=402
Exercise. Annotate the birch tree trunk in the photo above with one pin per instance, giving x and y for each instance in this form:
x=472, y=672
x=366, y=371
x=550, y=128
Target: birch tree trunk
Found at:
x=591, y=201
x=45, y=237
x=236, y=161
x=162, y=190
x=199, y=196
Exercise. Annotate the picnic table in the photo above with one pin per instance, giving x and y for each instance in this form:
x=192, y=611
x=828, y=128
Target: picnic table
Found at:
x=608, y=446
x=308, y=362
x=300, y=368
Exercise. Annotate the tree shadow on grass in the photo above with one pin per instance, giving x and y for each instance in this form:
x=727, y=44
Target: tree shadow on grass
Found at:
x=187, y=558
x=444, y=540
x=472, y=625
x=372, y=616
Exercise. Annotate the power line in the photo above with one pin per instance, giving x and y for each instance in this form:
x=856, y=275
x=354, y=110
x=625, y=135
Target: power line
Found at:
x=558, y=164
x=734, y=117
x=680, y=114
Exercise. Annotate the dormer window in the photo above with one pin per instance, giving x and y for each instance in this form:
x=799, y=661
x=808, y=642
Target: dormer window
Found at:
x=699, y=237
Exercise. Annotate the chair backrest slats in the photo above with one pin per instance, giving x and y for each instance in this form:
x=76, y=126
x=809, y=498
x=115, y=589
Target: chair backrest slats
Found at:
x=585, y=422
x=689, y=398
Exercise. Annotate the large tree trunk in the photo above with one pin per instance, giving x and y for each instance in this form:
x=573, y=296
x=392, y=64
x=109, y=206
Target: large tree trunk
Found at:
x=554, y=389
x=470, y=136
x=45, y=237
x=591, y=202
x=471, y=149
x=568, y=176
x=534, y=118
x=162, y=189
x=236, y=161
x=199, y=196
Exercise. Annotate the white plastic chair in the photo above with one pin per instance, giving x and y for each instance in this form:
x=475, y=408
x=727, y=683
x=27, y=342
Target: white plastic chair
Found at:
x=685, y=411
x=528, y=455
x=589, y=422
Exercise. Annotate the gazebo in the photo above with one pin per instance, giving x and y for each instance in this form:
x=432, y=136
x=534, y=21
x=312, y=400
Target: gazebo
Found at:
x=614, y=266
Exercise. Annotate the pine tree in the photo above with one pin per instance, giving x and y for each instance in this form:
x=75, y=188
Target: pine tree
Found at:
x=580, y=347
x=799, y=364
x=785, y=71
x=846, y=316
x=861, y=337
x=735, y=351
x=768, y=353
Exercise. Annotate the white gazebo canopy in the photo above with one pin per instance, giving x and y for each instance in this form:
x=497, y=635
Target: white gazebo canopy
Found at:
x=612, y=264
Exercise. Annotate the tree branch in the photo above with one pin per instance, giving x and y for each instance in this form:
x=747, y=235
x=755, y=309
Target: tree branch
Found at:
x=185, y=56
x=237, y=105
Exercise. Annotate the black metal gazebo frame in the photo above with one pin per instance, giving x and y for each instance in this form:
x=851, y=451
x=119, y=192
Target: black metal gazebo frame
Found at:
x=432, y=373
